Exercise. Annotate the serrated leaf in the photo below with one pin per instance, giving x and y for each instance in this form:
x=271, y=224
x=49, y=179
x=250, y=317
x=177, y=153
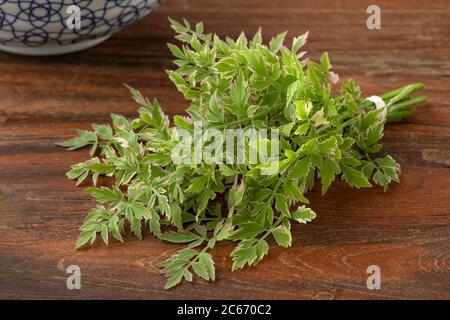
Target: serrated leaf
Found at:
x=84, y=139
x=293, y=191
x=262, y=248
x=176, y=237
x=319, y=118
x=174, y=280
x=256, y=63
x=155, y=227
x=177, y=52
x=207, y=261
x=328, y=171
x=282, y=236
x=298, y=42
x=303, y=215
x=325, y=61
x=200, y=270
x=281, y=204
x=276, y=42
x=84, y=237
x=104, y=233
x=197, y=185
x=163, y=203
x=247, y=231
x=244, y=253
x=104, y=194
x=113, y=226
x=300, y=168
x=224, y=233
x=302, y=110
x=354, y=177
x=375, y=132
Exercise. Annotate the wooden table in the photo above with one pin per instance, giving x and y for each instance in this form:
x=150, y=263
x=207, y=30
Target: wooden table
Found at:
x=405, y=231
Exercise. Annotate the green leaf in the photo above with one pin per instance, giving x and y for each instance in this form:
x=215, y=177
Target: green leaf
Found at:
x=298, y=42
x=163, y=204
x=327, y=173
x=294, y=192
x=85, y=236
x=113, y=226
x=300, y=168
x=155, y=227
x=174, y=280
x=325, y=61
x=256, y=63
x=286, y=129
x=207, y=261
x=281, y=204
x=292, y=92
x=247, y=231
x=176, y=237
x=103, y=131
x=302, y=129
x=244, y=253
x=200, y=270
x=262, y=248
x=225, y=233
x=104, y=233
x=104, y=194
x=217, y=111
x=303, y=215
x=375, y=133
x=282, y=236
x=198, y=184
x=276, y=42
x=176, y=215
x=354, y=177
x=310, y=147
x=158, y=159
x=177, y=52
x=136, y=227
x=387, y=170
x=319, y=118
x=302, y=110
x=84, y=139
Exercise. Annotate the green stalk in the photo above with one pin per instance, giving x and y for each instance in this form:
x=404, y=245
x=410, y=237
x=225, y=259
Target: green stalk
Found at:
x=399, y=115
x=402, y=109
x=407, y=103
x=413, y=87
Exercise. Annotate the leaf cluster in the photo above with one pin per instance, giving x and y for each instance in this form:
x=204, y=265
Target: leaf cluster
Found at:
x=234, y=83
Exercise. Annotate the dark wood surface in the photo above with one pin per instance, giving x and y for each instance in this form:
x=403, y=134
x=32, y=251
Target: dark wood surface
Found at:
x=405, y=231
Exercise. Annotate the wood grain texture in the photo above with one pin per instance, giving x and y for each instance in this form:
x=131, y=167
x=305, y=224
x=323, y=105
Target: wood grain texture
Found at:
x=405, y=231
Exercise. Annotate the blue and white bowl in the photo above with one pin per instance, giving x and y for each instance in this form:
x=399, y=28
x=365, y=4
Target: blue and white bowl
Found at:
x=44, y=27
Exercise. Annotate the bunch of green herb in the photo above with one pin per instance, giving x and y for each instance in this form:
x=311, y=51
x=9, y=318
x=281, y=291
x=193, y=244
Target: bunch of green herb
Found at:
x=234, y=84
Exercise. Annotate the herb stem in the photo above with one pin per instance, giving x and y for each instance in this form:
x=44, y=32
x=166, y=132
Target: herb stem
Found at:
x=413, y=87
x=407, y=103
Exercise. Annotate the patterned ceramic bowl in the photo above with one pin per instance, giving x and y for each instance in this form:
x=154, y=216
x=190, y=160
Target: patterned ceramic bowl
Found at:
x=44, y=27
